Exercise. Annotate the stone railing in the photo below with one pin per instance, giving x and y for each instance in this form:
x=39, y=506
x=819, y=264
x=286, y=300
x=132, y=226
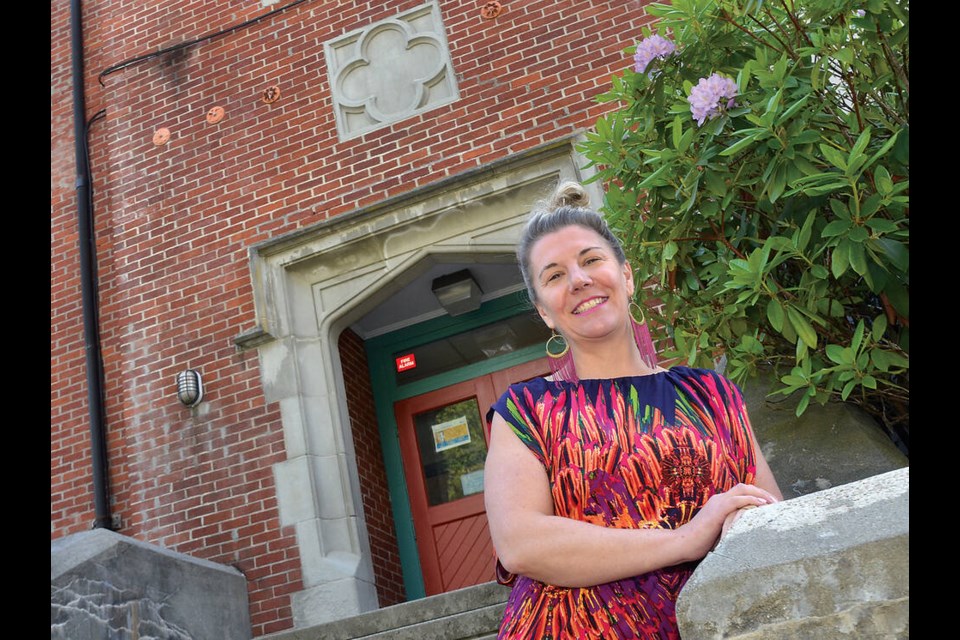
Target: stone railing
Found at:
x=831, y=564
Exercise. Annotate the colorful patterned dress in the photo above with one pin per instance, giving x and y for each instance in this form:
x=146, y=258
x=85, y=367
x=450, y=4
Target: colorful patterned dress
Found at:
x=641, y=452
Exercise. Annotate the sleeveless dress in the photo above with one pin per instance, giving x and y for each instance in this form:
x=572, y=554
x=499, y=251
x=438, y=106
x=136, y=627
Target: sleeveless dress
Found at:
x=641, y=452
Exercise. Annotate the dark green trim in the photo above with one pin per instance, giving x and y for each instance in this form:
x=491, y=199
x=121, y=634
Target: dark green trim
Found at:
x=444, y=326
x=386, y=392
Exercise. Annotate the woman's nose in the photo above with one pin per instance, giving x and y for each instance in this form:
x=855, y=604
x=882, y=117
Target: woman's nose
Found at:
x=578, y=279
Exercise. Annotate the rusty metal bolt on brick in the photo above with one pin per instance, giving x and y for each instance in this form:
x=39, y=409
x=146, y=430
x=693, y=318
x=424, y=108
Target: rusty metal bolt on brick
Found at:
x=271, y=94
x=215, y=115
x=491, y=10
x=161, y=136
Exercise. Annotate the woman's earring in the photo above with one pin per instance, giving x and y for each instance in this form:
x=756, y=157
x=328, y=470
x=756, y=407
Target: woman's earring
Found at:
x=633, y=314
x=557, y=354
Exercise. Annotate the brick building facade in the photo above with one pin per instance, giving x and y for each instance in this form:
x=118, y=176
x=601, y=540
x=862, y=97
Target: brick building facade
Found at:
x=265, y=178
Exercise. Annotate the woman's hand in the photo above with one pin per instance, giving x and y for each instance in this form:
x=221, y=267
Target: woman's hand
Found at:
x=718, y=514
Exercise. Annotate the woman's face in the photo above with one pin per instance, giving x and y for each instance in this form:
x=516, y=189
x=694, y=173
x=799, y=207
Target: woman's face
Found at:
x=582, y=291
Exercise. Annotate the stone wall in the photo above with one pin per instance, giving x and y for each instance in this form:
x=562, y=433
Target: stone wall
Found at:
x=827, y=446
x=106, y=586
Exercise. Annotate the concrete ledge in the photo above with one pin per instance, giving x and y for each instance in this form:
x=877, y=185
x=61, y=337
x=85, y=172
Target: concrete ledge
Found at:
x=830, y=564
x=106, y=585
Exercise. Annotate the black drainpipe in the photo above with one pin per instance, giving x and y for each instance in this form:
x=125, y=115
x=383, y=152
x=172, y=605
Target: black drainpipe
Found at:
x=98, y=449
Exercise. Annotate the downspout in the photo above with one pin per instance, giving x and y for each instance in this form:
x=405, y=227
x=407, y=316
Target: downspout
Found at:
x=98, y=449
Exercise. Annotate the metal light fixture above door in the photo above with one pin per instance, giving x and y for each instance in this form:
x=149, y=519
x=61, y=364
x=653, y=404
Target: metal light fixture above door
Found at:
x=457, y=292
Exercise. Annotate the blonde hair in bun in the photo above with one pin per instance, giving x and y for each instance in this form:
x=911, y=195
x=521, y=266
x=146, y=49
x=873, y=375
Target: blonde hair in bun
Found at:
x=569, y=194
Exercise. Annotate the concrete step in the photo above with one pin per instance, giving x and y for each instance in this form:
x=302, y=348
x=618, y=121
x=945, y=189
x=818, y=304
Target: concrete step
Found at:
x=472, y=613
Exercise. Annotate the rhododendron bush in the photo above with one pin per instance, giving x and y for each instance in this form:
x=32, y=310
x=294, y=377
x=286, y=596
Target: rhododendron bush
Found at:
x=756, y=165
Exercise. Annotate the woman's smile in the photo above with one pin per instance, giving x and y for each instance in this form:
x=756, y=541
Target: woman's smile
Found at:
x=587, y=305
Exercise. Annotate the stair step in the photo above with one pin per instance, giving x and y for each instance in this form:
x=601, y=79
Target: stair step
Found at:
x=472, y=613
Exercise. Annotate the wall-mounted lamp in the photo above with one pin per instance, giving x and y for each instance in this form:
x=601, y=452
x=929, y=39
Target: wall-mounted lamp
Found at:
x=457, y=292
x=189, y=387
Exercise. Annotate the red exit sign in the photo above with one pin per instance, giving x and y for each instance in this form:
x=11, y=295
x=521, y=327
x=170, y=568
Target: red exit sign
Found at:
x=408, y=361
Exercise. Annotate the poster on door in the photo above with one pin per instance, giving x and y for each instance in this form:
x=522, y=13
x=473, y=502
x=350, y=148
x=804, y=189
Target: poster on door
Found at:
x=450, y=434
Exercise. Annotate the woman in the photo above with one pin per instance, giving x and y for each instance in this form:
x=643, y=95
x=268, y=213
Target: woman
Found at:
x=606, y=483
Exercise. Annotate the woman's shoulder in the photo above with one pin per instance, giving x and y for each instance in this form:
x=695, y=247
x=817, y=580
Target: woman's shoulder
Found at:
x=703, y=377
x=694, y=372
x=534, y=385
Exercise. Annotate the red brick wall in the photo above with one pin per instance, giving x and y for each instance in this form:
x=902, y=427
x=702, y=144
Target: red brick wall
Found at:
x=377, y=510
x=175, y=223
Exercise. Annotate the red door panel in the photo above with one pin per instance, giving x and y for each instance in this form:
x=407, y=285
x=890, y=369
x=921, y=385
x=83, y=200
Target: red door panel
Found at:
x=443, y=443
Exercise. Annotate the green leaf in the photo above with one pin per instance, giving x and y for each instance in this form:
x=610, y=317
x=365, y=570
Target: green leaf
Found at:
x=882, y=150
x=857, y=257
x=857, y=337
x=896, y=252
x=677, y=132
x=653, y=178
x=715, y=182
x=775, y=314
x=858, y=234
x=779, y=243
x=774, y=102
x=881, y=178
x=815, y=74
x=840, y=209
x=847, y=388
x=777, y=183
x=887, y=359
x=835, y=228
x=670, y=249
x=834, y=157
x=899, y=297
x=803, y=328
x=838, y=354
x=870, y=205
x=854, y=160
x=791, y=110
x=882, y=225
x=743, y=77
x=743, y=143
x=879, y=327
x=880, y=360
x=805, y=230
x=794, y=381
x=802, y=406
x=840, y=259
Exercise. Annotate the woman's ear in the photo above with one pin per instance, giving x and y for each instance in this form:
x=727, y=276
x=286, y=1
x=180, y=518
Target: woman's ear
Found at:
x=628, y=277
x=544, y=316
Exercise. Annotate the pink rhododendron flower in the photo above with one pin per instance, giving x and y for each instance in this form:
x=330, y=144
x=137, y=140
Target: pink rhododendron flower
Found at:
x=649, y=48
x=706, y=98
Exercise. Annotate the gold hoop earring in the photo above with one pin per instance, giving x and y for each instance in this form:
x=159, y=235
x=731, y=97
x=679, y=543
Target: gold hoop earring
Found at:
x=634, y=305
x=566, y=345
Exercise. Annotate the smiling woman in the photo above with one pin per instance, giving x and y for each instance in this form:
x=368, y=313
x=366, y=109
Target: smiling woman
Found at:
x=554, y=233
x=584, y=293
x=606, y=483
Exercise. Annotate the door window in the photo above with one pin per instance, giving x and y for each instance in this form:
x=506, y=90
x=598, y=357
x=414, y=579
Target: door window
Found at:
x=452, y=450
